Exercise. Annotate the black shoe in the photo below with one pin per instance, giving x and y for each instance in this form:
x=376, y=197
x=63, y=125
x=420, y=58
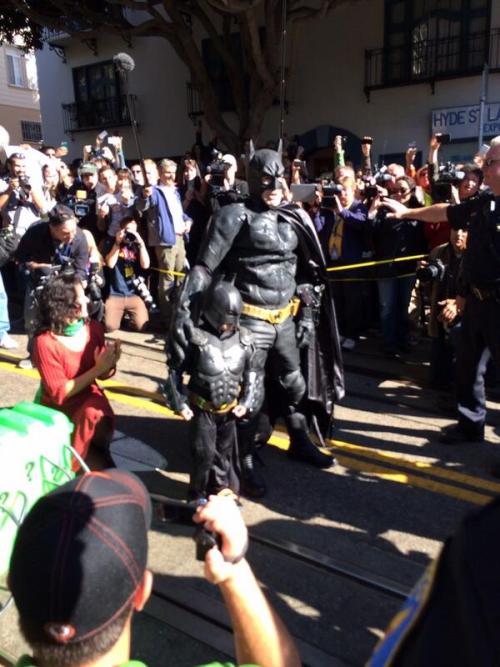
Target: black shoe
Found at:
x=495, y=469
x=456, y=435
x=304, y=450
x=252, y=484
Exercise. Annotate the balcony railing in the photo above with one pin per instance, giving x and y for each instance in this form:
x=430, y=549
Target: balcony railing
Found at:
x=431, y=60
x=108, y=112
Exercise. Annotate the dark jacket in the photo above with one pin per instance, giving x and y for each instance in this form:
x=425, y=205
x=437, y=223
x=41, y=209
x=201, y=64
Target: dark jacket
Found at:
x=37, y=245
x=397, y=238
x=161, y=230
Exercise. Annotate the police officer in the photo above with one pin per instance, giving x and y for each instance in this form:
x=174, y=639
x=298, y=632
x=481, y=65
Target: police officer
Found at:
x=480, y=292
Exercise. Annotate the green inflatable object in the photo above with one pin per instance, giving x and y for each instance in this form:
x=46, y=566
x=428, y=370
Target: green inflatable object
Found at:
x=36, y=457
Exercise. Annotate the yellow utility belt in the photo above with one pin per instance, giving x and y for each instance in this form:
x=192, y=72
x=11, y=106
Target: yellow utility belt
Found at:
x=276, y=316
x=203, y=404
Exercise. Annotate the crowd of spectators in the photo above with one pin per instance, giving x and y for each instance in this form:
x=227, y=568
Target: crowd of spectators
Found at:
x=131, y=230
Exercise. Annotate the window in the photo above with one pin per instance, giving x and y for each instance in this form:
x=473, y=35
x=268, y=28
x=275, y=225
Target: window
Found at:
x=16, y=69
x=31, y=131
x=96, y=82
x=426, y=39
x=98, y=98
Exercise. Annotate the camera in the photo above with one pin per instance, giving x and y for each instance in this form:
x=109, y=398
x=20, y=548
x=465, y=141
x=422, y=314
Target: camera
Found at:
x=94, y=292
x=24, y=184
x=129, y=240
x=441, y=189
x=329, y=190
x=172, y=510
x=80, y=207
x=381, y=177
x=217, y=170
x=142, y=290
x=434, y=270
x=442, y=138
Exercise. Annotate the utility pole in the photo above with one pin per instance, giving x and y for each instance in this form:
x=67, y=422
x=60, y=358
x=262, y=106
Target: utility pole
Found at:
x=482, y=103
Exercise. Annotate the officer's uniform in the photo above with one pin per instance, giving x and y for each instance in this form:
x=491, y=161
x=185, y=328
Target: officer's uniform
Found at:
x=481, y=320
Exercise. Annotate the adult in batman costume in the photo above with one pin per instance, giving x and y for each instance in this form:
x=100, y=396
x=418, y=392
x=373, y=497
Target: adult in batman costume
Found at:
x=272, y=250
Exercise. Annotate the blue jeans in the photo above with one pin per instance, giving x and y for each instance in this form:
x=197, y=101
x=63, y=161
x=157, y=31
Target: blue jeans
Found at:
x=394, y=300
x=4, y=310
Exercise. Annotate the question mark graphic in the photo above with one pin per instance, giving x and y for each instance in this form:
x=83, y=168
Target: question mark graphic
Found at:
x=29, y=469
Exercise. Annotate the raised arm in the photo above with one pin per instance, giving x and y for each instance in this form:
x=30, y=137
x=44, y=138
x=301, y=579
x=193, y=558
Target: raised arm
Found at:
x=260, y=636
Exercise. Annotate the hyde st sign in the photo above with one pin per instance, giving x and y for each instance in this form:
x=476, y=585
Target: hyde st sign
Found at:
x=463, y=122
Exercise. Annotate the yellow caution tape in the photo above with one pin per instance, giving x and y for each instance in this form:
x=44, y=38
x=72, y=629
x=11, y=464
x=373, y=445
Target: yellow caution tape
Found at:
x=374, y=263
x=172, y=273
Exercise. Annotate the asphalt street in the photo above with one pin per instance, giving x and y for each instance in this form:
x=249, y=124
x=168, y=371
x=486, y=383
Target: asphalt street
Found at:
x=335, y=549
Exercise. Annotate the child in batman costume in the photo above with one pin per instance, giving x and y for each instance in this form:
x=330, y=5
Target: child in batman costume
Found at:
x=221, y=389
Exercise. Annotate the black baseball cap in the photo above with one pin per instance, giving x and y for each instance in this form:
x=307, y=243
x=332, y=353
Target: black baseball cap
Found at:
x=80, y=555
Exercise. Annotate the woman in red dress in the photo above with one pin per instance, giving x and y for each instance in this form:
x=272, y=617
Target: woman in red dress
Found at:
x=70, y=354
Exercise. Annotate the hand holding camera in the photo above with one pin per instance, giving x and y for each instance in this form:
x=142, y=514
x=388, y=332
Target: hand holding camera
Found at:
x=222, y=517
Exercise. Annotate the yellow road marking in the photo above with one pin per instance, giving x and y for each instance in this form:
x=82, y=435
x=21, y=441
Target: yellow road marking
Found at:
x=280, y=440
x=415, y=481
x=420, y=466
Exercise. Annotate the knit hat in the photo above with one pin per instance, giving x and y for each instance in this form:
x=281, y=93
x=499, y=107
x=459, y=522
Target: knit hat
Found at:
x=80, y=555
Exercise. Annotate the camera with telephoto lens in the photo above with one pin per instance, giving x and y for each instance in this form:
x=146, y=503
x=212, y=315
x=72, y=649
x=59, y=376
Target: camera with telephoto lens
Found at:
x=434, y=270
x=142, y=290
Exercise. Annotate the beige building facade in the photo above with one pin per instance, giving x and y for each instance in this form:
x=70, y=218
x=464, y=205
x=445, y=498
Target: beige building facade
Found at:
x=19, y=99
x=396, y=70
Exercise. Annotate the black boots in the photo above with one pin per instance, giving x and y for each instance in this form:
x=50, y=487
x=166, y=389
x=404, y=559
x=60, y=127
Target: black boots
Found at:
x=252, y=484
x=302, y=448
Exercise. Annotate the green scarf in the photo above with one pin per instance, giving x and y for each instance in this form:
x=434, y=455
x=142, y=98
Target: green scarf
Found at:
x=73, y=328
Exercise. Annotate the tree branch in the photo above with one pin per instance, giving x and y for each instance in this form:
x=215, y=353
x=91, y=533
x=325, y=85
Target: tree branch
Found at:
x=257, y=55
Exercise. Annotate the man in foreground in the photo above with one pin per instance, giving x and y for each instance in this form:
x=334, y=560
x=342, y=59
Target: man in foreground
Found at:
x=78, y=573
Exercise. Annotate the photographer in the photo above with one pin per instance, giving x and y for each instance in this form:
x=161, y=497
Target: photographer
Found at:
x=118, y=200
x=223, y=186
x=347, y=245
x=20, y=201
x=391, y=240
x=82, y=198
x=102, y=577
x=443, y=271
x=125, y=257
x=43, y=250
